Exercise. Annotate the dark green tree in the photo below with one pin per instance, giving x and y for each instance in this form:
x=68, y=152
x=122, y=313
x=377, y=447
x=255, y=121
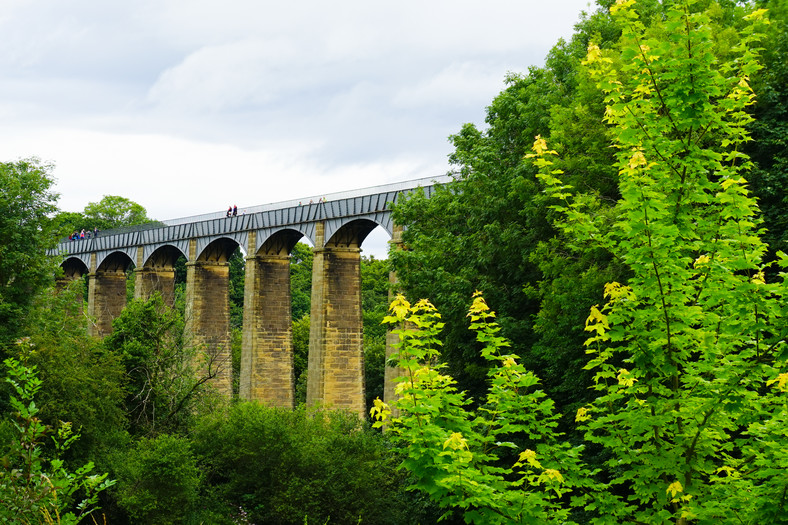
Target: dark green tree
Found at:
x=236, y=289
x=300, y=357
x=158, y=480
x=769, y=147
x=82, y=382
x=486, y=230
x=374, y=304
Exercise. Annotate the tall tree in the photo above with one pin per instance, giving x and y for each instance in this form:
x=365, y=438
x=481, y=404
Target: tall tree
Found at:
x=485, y=230
x=769, y=147
x=113, y=211
x=26, y=203
x=689, y=357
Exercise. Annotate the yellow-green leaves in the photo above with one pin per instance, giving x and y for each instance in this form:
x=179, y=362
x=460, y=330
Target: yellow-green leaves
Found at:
x=688, y=355
x=460, y=449
x=674, y=488
x=379, y=413
x=582, y=415
x=625, y=378
x=781, y=380
x=456, y=442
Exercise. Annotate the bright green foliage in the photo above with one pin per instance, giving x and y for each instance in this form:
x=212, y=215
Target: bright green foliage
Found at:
x=34, y=489
x=26, y=202
x=500, y=463
x=690, y=356
x=158, y=480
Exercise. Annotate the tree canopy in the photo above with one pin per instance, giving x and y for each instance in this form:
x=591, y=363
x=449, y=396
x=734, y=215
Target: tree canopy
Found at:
x=27, y=202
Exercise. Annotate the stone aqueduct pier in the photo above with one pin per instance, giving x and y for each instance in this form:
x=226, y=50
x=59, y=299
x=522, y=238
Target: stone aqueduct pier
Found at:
x=336, y=225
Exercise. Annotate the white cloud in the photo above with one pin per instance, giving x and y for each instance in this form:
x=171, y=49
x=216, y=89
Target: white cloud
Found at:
x=460, y=84
x=227, y=77
x=186, y=106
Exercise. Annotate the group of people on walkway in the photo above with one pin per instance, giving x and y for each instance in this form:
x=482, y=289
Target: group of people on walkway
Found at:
x=232, y=211
x=77, y=236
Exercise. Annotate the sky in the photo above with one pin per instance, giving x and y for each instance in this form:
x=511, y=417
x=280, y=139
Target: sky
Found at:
x=187, y=107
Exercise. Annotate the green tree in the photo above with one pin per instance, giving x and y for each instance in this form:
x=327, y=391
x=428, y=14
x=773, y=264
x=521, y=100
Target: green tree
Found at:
x=161, y=383
x=301, y=357
x=279, y=466
x=485, y=230
x=501, y=463
x=236, y=288
x=689, y=356
x=34, y=489
x=113, y=211
x=82, y=382
x=374, y=304
x=67, y=223
x=300, y=280
x=769, y=147
x=158, y=480
x=26, y=203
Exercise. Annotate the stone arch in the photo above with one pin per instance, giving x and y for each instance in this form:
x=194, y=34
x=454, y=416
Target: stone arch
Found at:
x=280, y=242
x=74, y=268
x=351, y=234
x=157, y=274
x=163, y=257
x=118, y=261
x=114, y=259
x=218, y=251
x=107, y=291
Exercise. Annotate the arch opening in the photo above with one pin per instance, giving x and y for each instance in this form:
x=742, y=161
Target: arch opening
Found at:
x=73, y=268
x=218, y=251
x=351, y=234
x=280, y=243
x=163, y=258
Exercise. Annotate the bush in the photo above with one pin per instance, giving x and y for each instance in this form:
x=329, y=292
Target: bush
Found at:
x=278, y=466
x=158, y=480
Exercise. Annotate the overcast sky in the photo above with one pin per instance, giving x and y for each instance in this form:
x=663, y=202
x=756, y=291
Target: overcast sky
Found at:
x=187, y=107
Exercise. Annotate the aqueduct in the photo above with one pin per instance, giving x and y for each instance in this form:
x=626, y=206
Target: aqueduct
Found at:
x=336, y=225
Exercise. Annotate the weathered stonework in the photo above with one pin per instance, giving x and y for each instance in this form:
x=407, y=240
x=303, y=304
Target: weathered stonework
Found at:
x=150, y=280
x=106, y=299
x=336, y=357
x=267, y=348
x=208, y=320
